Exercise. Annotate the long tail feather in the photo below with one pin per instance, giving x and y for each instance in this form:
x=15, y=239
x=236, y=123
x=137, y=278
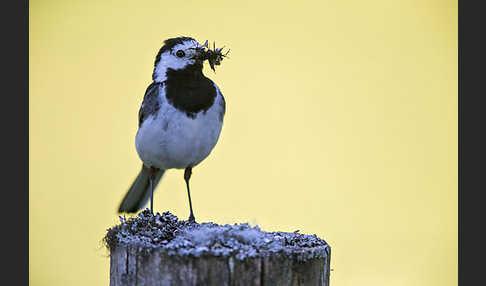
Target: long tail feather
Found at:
x=139, y=192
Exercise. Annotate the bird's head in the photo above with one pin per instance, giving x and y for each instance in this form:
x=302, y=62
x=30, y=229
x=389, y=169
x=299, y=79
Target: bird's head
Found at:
x=184, y=54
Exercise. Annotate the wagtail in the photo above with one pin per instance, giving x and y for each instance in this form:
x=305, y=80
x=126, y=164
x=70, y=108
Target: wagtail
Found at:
x=180, y=118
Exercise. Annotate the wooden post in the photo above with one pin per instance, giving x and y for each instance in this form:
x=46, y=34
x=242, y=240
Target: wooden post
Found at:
x=161, y=250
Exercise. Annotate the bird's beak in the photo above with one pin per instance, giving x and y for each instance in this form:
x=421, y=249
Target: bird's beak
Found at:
x=200, y=55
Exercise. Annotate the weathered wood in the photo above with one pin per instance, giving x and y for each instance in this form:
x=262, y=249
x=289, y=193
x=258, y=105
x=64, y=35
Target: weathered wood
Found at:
x=142, y=264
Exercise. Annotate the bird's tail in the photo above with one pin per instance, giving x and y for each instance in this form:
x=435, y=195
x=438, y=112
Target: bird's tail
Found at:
x=139, y=192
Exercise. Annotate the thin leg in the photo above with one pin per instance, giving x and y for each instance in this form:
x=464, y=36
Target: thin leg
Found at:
x=187, y=176
x=151, y=180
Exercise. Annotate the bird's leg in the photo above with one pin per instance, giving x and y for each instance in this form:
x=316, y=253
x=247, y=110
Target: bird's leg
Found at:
x=187, y=176
x=151, y=180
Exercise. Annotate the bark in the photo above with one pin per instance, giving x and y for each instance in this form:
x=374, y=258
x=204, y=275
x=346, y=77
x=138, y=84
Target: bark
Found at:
x=135, y=265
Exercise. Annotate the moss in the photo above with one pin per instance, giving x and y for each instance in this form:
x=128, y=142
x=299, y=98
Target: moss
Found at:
x=181, y=238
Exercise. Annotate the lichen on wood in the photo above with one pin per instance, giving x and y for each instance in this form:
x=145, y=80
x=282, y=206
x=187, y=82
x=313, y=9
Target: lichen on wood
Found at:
x=150, y=249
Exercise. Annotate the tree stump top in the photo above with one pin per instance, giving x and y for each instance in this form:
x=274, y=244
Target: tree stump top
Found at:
x=189, y=239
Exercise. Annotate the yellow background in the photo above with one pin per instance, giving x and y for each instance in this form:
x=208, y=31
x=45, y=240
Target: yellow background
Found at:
x=341, y=121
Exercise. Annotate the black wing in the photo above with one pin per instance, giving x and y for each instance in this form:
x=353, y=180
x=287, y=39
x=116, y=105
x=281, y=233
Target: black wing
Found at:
x=151, y=102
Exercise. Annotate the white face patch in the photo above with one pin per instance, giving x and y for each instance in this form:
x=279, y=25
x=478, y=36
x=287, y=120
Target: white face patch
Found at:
x=170, y=60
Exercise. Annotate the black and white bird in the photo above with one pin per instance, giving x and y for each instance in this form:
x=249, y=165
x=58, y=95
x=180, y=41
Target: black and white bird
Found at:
x=180, y=118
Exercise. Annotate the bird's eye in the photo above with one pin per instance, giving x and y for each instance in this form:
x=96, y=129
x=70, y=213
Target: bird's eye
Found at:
x=180, y=53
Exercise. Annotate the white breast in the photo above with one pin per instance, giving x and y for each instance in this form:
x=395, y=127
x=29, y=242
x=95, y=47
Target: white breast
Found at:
x=171, y=139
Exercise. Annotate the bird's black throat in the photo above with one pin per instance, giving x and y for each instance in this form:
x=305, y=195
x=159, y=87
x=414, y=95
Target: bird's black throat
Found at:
x=189, y=91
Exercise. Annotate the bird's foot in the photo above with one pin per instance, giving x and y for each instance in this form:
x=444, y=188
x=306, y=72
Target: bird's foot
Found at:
x=192, y=218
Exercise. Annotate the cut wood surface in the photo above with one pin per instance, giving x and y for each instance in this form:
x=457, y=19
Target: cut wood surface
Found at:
x=162, y=250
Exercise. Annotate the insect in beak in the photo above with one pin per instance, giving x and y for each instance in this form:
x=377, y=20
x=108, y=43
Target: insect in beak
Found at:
x=214, y=55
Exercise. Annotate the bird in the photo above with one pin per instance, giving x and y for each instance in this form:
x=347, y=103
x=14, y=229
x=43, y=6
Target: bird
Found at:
x=180, y=118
